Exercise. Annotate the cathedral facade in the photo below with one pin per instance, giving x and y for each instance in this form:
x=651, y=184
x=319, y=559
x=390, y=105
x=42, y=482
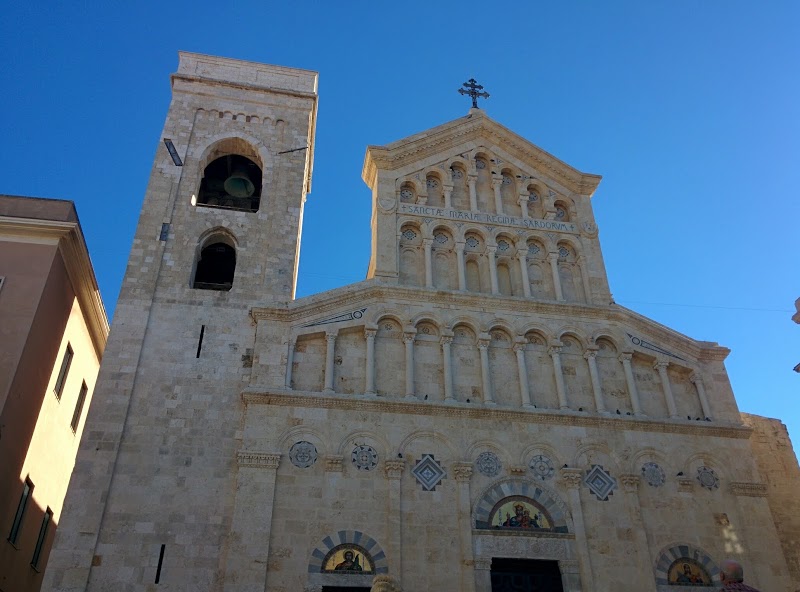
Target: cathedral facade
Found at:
x=476, y=415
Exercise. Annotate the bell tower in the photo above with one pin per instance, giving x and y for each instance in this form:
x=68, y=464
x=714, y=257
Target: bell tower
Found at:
x=219, y=234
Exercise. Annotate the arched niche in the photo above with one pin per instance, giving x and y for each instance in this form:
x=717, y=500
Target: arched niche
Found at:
x=333, y=561
x=489, y=512
x=232, y=182
x=215, y=263
x=683, y=566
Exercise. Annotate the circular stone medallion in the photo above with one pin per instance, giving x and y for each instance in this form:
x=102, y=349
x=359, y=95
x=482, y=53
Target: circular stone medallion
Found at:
x=365, y=458
x=653, y=474
x=303, y=454
x=707, y=478
x=542, y=466
x=488, y=464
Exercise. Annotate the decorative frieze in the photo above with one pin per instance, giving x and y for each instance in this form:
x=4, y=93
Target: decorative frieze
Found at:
x=258, y=460
x=748, y=489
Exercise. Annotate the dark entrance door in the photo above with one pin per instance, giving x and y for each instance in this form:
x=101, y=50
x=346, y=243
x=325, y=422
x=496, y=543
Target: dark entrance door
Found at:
x=525, y=575
x=343, y=589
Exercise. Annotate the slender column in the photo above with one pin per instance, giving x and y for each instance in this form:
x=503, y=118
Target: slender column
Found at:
x=630, y=485
x=573, y=478
x=553, y=257
x=519, y=349
x=697, y=381
x=522, y=257
x=462, y=269
x=369, y=334
x=666, y=387
x=256, y=478
x=597, y=389
x=523, y=206
x=587, y=289
x=330, y=339
x=448, y=196
x=483, y=347
x=463, y=473
x=289, y=362
x=490, y=251
x=394, y=474
x=408, y=338
x=472, y=181
x=427, y=243
x=498, y=196
x=555, y=353
x=625, y=358
x=448, y=371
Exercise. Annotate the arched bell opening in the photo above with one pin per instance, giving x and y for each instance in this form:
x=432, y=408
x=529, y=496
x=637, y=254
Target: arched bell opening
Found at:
x=215, y=267
x=231, y=182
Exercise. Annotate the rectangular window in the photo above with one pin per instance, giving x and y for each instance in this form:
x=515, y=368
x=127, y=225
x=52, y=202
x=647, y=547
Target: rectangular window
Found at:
x=62, y=374
x=37, y=552
x=27, y=490
x=76, y=417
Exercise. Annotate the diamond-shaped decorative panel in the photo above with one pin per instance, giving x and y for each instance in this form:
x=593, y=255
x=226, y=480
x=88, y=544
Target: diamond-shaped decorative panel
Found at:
x=600, y=482
x=428, y=472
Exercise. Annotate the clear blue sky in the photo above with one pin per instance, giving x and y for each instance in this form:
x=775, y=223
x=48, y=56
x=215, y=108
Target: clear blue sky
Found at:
x=689, y=110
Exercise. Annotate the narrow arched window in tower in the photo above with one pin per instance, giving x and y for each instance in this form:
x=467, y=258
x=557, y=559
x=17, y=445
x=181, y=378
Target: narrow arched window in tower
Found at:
x=231, y=182
x=215, y=267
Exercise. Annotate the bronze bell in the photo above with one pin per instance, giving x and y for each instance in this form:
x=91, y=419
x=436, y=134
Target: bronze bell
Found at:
x=239, y=184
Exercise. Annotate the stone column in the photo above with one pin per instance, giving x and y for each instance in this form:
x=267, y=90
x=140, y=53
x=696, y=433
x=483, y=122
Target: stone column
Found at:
x=697, y=381
x=584, y=269
x=394, y=526
x=522, y=257
x=490, y=251
x=448, y=370
x=523, y=205
x=572, y=479
x=245, y=569
x=427, y=243
x=472, y=181
x=483, y=347
x=462, y=269
x=483, y=574
x=498, y=196
x=463, y=473
x=448, y=196
x=553, y=257
x=519, y=350
x=555, y=353
x=408, y=338
x=330, y=339
x=630, y=485
x=289, y=362
x=369, y=335
x=597, y=389
x=625, y=358
x=661, y=366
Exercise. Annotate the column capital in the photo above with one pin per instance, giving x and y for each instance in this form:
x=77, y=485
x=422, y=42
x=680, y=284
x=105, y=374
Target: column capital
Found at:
x=660, y=365
x=491, y=249
x=462, y=471
x=408, y=336
x=695, y=378
x=590, y=354
x=497, y=180
x=554, y=349
x=518, y=347
x=258, y=460
x=570, y=566
x=446, y=339
x=427, y=242
x=370, y=333
x=394, y=469
x=685, y=484
x=460, y=246
x=552, y=256
x=572, y=478
x=630, y=482
x=483, y=343
x=625, y=357
x=483, y=564
x=331, y=335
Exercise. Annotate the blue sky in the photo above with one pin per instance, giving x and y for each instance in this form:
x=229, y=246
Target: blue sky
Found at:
x=689, y=110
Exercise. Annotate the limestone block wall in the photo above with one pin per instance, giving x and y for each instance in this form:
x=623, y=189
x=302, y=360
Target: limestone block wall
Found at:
x=777, y=465
x=696, y=498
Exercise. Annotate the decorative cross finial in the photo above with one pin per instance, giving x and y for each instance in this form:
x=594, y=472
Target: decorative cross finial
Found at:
x=472, y=88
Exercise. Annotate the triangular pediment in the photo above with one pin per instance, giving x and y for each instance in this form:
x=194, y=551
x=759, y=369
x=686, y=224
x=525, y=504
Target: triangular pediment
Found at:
x=452, y=138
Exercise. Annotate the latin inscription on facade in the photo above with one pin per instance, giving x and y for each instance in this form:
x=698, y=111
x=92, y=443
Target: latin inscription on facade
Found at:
x=489, y=218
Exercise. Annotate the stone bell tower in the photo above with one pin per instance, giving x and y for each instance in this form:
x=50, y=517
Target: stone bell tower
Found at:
x=219, y=233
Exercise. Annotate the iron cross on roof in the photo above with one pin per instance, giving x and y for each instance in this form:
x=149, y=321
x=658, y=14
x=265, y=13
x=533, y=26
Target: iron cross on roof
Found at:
x=472, y=88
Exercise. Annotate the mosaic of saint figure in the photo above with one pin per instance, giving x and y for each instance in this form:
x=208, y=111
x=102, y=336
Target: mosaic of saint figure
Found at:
x=519, y=512
x=687, y=572
x=348, y=558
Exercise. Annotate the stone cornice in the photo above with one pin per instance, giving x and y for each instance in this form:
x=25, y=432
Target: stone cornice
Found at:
x=369, y=291
x=475, y=127
x=75, y=255
x=472, y=411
